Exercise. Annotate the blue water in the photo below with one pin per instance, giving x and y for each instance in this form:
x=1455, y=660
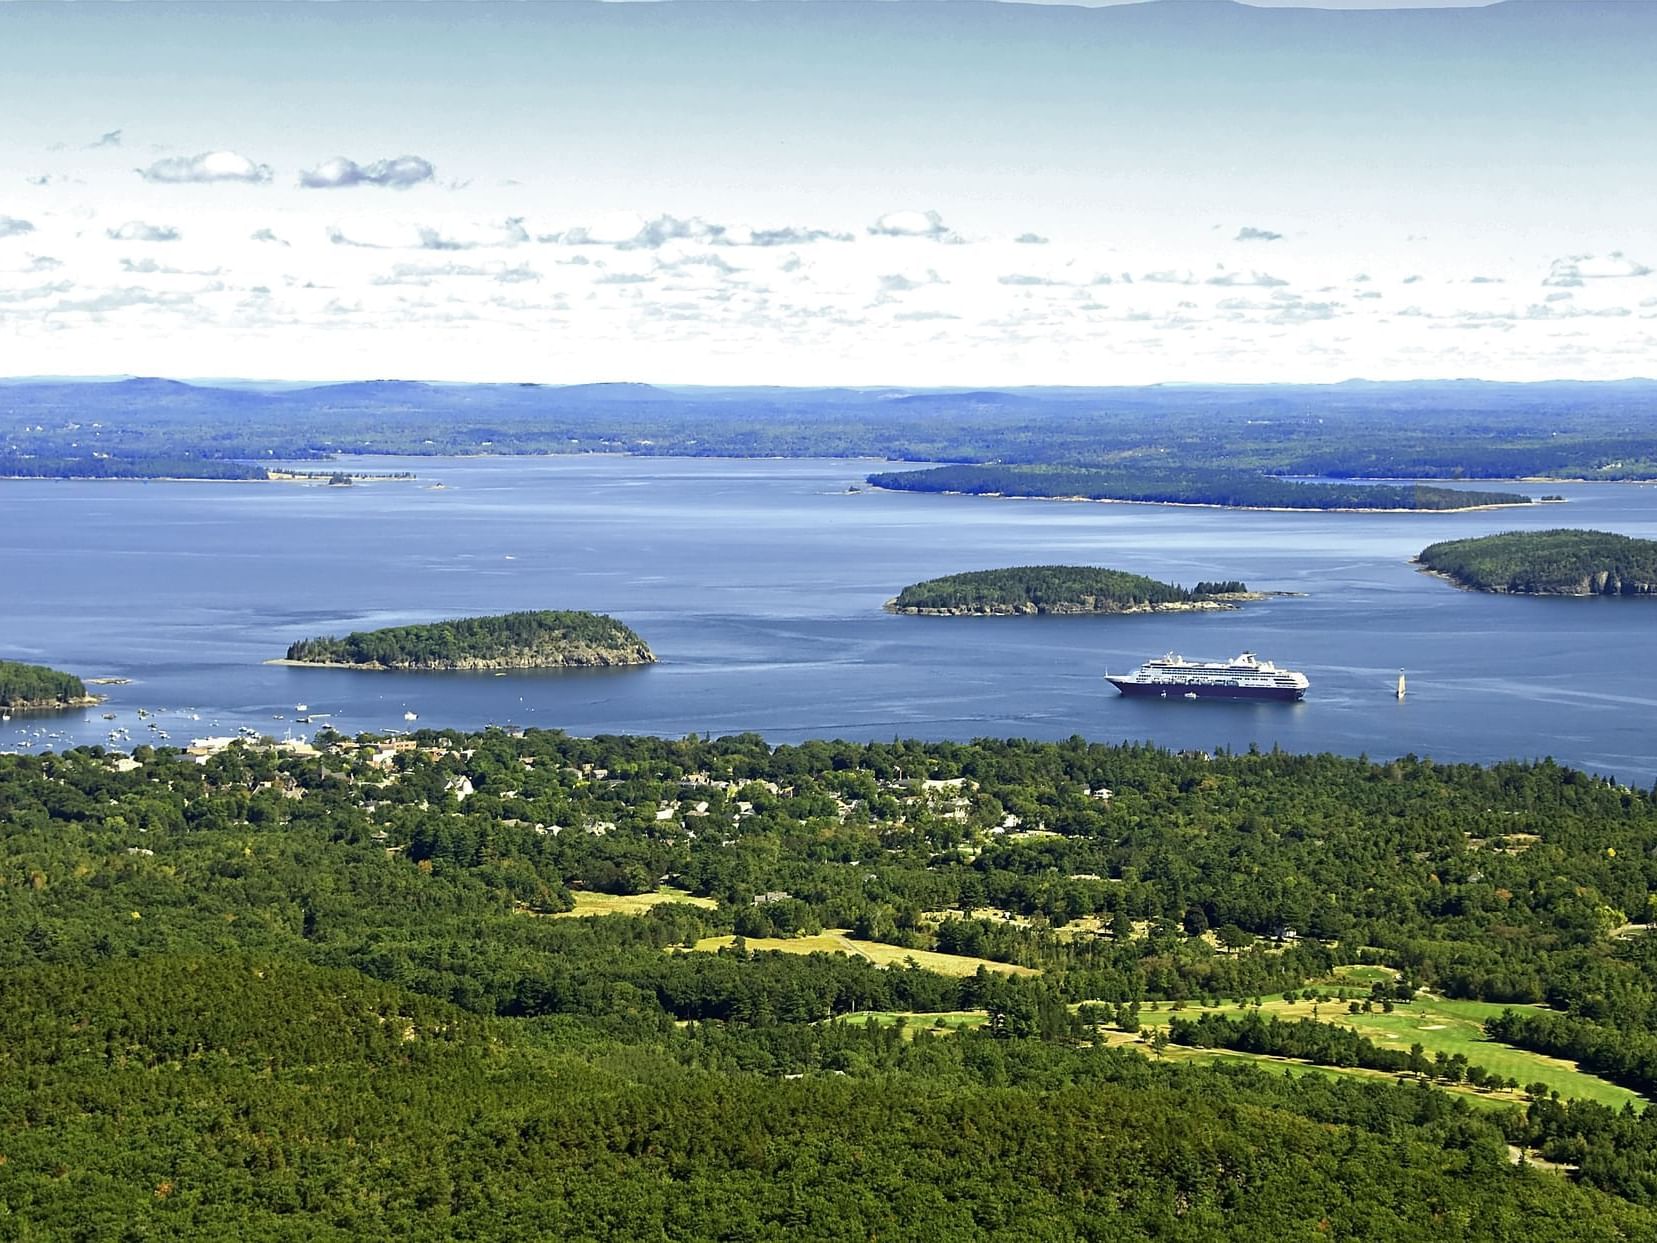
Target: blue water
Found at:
x=759, y=585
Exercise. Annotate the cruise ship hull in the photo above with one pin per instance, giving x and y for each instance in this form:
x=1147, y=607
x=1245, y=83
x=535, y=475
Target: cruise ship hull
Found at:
x=1164, y=690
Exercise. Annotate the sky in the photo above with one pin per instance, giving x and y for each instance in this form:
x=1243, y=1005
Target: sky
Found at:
x=778, y=193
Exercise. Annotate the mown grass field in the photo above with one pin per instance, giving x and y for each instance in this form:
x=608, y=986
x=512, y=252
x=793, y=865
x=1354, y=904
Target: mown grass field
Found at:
x=628, y=904
x=915, y=1021
x=1437, y=1025
x=835, y=941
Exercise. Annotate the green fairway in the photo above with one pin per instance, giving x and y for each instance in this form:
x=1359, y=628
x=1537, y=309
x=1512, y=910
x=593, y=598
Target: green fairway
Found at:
x=628, y=903
x=914, y=1022
x=835, y=941
x=1437, y=1025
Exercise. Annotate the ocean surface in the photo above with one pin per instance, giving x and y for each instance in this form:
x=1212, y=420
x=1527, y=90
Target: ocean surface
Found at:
x=759, y=584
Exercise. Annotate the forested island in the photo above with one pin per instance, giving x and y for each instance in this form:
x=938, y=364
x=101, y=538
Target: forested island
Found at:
x=530, y=640
x=1254, y=993
x=35, y=687
x=1160, y=485
x=1560, y=562
x=1068, y=589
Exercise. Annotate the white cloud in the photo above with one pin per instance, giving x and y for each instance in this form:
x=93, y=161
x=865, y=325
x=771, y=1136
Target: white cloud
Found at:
x=785, y=236
x=659, y=231
x=265, y=235
x=398, y=173
x=138, y=231
x=927, y=224
x=1030, y=239
x=11, y=226
x=35, y=293
x=1025, y=278
x=1574, y=270
x=149, y=267
x=426, y=273
x=207, y=167
x=120, y=299
x=1248, y=233
x=1259, y=280
x=897, y=282
x=431, y=239
x=111, y=138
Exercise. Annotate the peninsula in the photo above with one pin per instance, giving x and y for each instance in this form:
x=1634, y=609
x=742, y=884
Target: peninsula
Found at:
x=1225, y=489
x=1060, y=589
x=1561, y=562
x=529, y=640
x=25, y=688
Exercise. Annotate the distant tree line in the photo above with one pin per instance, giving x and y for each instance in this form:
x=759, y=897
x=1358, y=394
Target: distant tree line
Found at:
x=89, y=466
x=1226, y=488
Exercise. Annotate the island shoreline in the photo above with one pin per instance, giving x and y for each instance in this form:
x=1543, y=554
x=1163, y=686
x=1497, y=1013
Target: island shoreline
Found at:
x=1258, y=509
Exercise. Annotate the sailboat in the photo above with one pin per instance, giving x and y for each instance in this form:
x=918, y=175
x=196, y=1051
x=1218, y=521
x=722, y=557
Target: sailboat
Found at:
x=1400, y=691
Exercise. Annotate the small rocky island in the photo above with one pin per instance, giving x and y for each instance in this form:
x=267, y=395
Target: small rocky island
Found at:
x=1559, y=562
x=531, y=640
x=1062, y=589
x=32, y=688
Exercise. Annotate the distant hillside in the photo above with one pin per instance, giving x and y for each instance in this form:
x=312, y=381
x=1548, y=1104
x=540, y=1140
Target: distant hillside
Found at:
x=1448, y=431
x=1560, y=562
x=537, y=640
x=1073, y=589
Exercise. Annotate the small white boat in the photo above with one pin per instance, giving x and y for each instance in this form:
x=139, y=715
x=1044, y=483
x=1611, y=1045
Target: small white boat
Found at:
x=302, y=707
x=1400, y=690
x=411, y=716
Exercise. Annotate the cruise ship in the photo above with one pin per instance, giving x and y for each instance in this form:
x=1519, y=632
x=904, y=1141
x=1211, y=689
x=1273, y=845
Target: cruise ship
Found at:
x=1246, y=677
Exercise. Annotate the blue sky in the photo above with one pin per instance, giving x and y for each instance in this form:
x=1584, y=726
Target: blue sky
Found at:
x=828, y=193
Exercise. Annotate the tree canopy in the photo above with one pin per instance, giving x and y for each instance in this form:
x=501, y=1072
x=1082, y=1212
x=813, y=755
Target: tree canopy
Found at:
x=1052, y=588
x=519, y=640
x=36, y=686
x=1557, y=562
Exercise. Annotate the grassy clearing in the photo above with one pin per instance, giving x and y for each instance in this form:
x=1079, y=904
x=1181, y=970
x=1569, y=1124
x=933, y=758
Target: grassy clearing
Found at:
x=628, y=904
x=835, y=941
x=915, y=1021
x=1355, y=974
x=1437, y=1025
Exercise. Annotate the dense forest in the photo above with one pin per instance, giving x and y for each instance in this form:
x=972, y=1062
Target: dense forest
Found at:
x=1560, y=562
x=1395, y=431
x=1231, y=489
x=374, y=991
x=1054, y=589
x=529, y=640
x=35, y=686
x=139, y=466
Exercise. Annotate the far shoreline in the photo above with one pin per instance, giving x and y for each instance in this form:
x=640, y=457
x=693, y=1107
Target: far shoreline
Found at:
x=1258, y=509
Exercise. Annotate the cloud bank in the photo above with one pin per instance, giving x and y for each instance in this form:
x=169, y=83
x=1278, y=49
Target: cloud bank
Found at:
x=398, y=173
x=138, y=231
x=207, y=167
